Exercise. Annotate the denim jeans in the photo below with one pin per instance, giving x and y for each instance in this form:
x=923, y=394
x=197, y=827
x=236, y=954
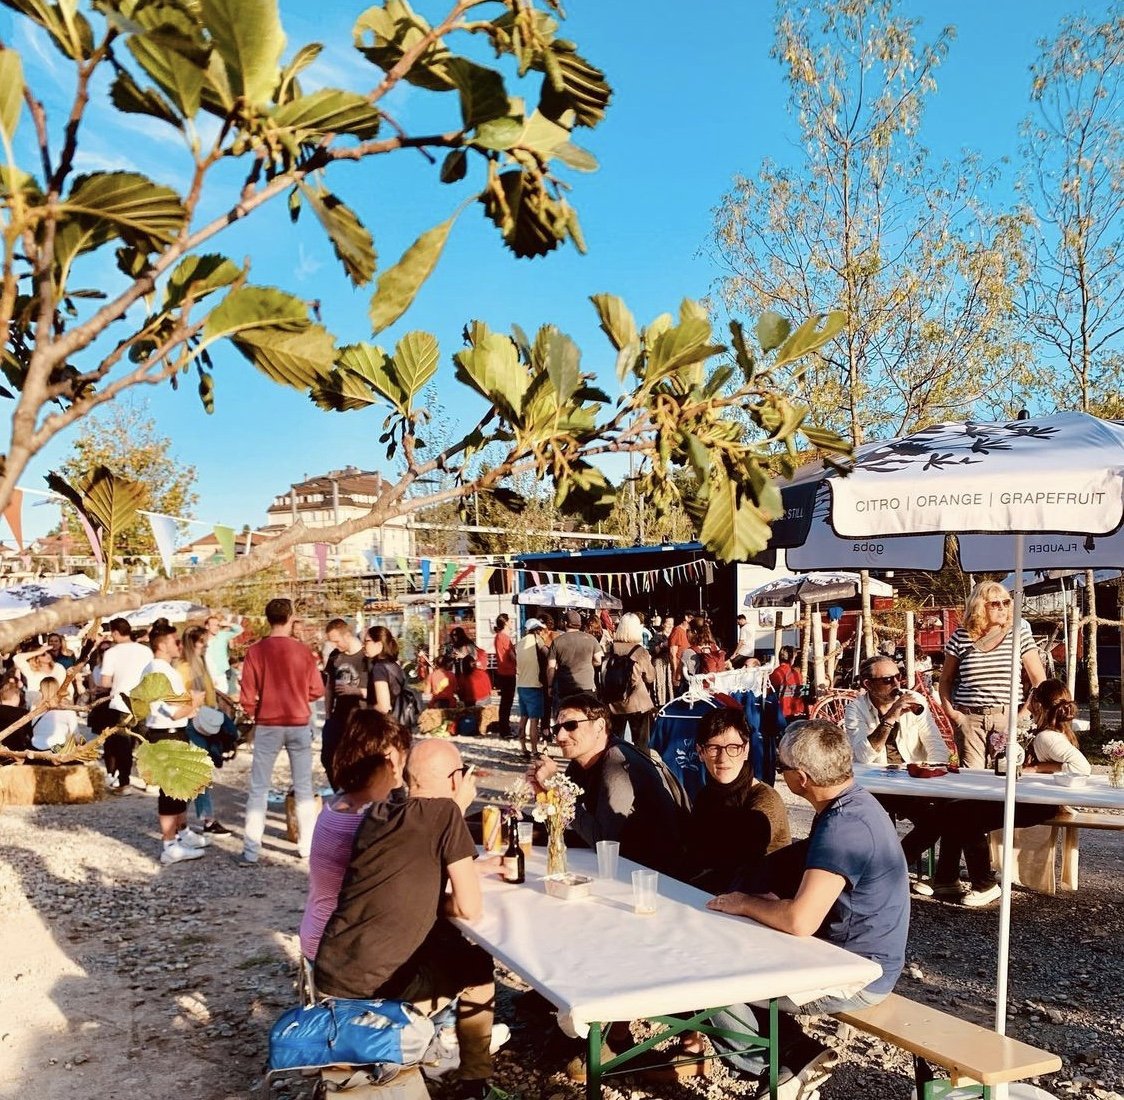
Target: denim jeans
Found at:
x=742, y=1018
x=268, y=743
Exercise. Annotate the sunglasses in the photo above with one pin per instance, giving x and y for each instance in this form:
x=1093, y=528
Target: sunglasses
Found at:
x=997, y=605
x=783, y=766
x=462, y=770
x=569, y=725
x=713, y=752
x=884, y=679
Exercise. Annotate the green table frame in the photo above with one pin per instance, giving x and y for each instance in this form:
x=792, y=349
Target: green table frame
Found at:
x=597, y=1071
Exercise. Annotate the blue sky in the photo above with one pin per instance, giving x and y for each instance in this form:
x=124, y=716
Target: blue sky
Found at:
x=697, y=100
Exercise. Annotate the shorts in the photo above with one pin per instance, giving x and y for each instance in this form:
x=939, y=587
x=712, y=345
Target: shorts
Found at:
x=530, y=702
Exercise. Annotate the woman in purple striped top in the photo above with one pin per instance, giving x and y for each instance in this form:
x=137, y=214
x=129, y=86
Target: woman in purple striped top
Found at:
x=368, y=764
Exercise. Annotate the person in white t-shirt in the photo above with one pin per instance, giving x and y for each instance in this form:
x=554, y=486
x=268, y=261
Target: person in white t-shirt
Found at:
x=34, y=666
x=744, y=651
x=121, y=669
x=167, y=721
x=50, y=731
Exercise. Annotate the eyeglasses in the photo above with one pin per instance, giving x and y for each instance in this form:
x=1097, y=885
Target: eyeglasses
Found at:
x=569, y=725
x=884, y=679
x=461, y=771
x=998, y=605
x=713, y=752
x=782, y=766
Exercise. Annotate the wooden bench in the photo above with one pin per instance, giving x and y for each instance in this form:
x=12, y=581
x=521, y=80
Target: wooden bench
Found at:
x=969, y=1052
x=1070, y=822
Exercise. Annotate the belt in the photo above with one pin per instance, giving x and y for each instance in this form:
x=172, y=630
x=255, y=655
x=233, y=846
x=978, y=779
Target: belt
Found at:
x=983, y=710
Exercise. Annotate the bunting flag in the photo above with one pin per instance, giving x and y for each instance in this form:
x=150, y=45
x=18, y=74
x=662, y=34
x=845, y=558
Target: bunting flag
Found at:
x=448, y=574
x=535, y=577
x=225, y=537
x=378, y=564
x=426, y=565
x=320, y=549
x=370, y=557
x=92, y=538
x=14, y=515
x=465, y=572
x=164, y=533
x=485, y=577
x=402, y=566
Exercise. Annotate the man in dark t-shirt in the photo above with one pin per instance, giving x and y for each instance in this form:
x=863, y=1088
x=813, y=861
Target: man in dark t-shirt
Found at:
x=345, y=682
x=389, y=937
x=572, y=657
x=18, y=740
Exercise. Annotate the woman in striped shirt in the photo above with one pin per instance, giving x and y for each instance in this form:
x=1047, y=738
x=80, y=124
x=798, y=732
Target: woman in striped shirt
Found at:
x=367, y=765
x=975, y=686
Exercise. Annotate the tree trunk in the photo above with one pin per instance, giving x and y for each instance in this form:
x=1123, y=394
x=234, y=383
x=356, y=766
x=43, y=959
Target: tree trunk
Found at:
x=1091, y=656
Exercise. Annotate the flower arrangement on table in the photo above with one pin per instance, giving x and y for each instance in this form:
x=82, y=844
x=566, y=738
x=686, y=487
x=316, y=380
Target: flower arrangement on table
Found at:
x=555, y=806
x=518, y=797
x=1114, y=750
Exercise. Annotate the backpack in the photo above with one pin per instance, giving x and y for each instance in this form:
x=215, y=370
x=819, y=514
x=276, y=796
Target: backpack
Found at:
x=711, y=659
x=407, y=708
x=616, y=682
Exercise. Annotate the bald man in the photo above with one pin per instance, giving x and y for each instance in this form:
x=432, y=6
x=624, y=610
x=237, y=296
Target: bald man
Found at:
x=388, y=936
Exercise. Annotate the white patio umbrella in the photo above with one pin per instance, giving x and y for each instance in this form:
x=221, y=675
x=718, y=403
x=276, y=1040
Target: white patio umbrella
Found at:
x=568, y=595
x=823, y=587
x=31, y=595
x=1049, y=489
x=175, y=611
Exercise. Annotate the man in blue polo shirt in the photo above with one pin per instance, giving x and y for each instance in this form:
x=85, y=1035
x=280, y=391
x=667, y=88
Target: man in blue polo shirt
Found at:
x=848, y=883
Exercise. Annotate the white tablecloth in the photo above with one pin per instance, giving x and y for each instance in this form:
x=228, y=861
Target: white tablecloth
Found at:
x=987, y=786
x=597, y=961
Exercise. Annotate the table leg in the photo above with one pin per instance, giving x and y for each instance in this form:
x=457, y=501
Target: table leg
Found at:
x=1070, y=857
x=593, y=1064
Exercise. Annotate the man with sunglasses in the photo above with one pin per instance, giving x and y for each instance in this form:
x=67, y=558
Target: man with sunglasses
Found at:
x=626, y=795
x=389, y=937
x=853, y=891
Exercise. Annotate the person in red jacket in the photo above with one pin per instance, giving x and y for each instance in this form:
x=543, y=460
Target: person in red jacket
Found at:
x=280, y=681
x=505, y=674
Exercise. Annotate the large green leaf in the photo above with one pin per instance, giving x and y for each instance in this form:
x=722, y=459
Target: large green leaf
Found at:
x=482, y=92
x=492, y=367
x=330, y=111
x=733, y=530
x=616, y=320
x=11, y=92
x=399, y=285
x=199, y=276
x=146, y=214
x=812, y=334
x=130, y=98
x=772, y=330
x=562, y=359
x=343, y=391
x=249, y=38
x=415, y=361
x=383, y=34
x=679, y=347
x=112, y=501
x=69, y=29
x=287, y=87
x=170, y=47
x=256, y=307
x=301, y=359
x=352, y=242
x=572, y=84
x=153, y=688
x=370, y=365
x=181, y=770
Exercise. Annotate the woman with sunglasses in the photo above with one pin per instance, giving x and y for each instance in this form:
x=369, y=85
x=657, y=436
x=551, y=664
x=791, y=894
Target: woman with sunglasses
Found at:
x=975, y=684
x=736, y=820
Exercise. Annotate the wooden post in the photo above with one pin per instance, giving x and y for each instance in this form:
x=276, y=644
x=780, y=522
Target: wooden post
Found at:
x=1091, y=656
x=910, y=642
x=868, y=617
x=832, y=657
x=805, y=642
x=819, y=677
x=1074, y=613
x=778, y=634
x=856, y=642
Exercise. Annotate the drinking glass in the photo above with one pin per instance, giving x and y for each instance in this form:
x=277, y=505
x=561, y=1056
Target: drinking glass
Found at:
x=645, y=890
x=526, y=837
x=607, y=853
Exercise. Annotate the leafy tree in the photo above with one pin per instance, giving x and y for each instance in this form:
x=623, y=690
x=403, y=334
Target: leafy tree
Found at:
x=69, y=349
x=127, y=441
x=922, y=271
x=1073, y=162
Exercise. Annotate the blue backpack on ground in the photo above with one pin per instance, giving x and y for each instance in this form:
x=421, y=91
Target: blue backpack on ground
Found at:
x=337, y=1031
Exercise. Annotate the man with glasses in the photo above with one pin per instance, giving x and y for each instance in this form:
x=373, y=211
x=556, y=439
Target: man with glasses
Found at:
x=626, y=795
x=389, y=937
x=853, y=891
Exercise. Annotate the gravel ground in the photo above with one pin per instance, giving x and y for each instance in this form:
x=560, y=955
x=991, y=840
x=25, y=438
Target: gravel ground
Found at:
x=120, y=978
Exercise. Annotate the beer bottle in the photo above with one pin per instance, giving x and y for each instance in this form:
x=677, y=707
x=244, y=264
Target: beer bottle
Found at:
x=514, y=869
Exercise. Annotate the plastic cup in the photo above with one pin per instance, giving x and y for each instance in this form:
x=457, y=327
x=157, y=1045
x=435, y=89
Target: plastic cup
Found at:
x=607, y=853
x=526, y=837
x=645, y=890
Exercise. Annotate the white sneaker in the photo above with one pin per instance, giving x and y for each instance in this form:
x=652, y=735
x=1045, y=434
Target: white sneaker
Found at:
x=977, y=899
x=176, y=852
x=500, y=1035
x=190, y=839
x=112, y=782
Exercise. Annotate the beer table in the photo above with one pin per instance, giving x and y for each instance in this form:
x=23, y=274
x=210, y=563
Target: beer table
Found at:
x=597, y=961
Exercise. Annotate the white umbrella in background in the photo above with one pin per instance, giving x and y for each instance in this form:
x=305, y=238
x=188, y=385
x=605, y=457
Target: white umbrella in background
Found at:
x=175, y=611
x=568, y=595
x=1033, y=493
x=32, y=595
x=822, y=587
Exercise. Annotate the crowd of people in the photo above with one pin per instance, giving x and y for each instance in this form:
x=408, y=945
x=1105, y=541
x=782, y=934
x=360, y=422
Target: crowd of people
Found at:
x=391, y=857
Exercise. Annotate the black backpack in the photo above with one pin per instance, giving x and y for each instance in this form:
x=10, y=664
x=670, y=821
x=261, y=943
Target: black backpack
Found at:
x=407, y=708
x=616, y=682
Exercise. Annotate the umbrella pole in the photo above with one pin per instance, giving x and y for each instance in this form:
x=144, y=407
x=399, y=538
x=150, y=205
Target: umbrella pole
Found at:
x=1009, y=798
